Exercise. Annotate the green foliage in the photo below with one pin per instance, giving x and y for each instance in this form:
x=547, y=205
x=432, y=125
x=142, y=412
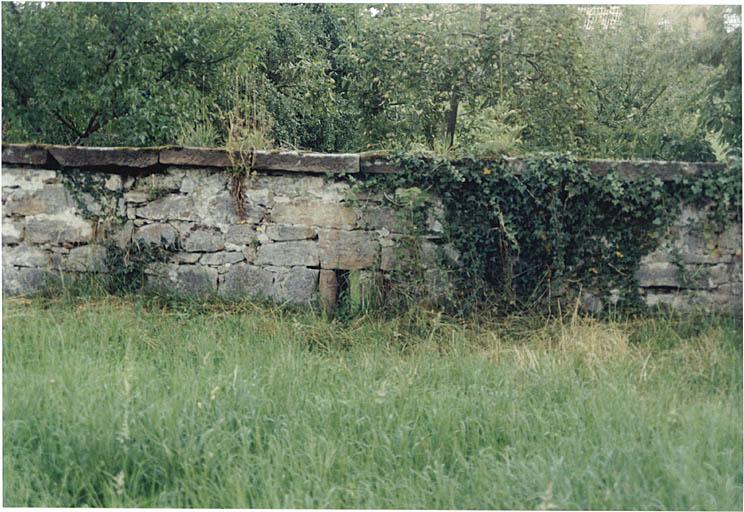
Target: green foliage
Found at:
x=530, y=238
x=457, y=79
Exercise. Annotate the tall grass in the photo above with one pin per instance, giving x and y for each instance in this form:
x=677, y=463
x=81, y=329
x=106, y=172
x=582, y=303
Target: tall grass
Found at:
x=123, y=403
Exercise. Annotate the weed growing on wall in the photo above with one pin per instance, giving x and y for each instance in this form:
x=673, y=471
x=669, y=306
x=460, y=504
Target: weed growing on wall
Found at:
x=543, y=235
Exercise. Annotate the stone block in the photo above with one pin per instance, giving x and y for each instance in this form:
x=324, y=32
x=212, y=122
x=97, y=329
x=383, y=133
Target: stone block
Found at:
x=114, y=183
x=186, y=257
x=86, y=258
x=204, y=157
x=379, y=217
x=25, y=256
x=221, y=210
x=305, y=162
x=203, y=240
x=76, y=156
x=246, y=281
x=314, y=213
x=57, y=229
x=284, y=232
x=49, y=199
x=221, y=258
x=136, y=197
x=156, y=234
x=24, y=154
x=122, y=235
x=658, y=275
x=12, y=232
x=376, y=163
x=23, y=281
x=27, y=179
x=168, y=208
x=241, y=234
x=297, y=285
x=288, y=254
x=188, y=280
x=328, y=290
x=348, y=249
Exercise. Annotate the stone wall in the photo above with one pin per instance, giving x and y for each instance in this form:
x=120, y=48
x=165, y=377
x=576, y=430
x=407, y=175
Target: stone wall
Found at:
x=286, y=232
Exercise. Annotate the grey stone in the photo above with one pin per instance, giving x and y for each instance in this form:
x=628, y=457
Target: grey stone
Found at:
x=284, y=232
x=288, y=254
x=136, y=197
x=23, y=281
x=168, y=208
x=156, y=234
x=57, y=229
x=86, y=258
x=314, y=213
x=220, y=210
x=204, y=183
x=12, y=232
x=186, y=257
x=114, y=183
x=241, y=234
x=348, y=249
x=658, y=274
x=203, y=240
x=297, y=286
x=221, y=258
x=49, y=199
x=243, y=280
x=379, y=217
x=123, y=234
x=206, y=157
x=189, y=280
x=25, y=256
x=27, y=179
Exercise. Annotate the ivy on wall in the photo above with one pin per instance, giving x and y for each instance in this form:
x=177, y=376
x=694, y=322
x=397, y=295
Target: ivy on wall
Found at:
x=528, y=238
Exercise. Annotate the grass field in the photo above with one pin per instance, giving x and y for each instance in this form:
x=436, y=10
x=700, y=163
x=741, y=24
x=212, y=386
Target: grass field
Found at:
x=123, y=403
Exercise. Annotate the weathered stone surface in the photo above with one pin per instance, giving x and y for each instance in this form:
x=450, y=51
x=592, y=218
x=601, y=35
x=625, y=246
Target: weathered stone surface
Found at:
x=136, y=196
x=376, y=163
x=288, y=254
x=114, y=183
x=186, y=257
x=220, y=210
x=206, y=157
x=57, y=229
x=24, y=154
x=221, y=258
x=313, y=213
x=156, y=234
x=297, y=285
x=328, y=290
x=12, y=232
x=348, y=249
x=87, y=258
x=122, y=235
x=168, y=208
x=240, y=234
x=74, y=156
x=23, y=281
x=284, y=232
x=305, y=162
x=49, y=199
x=203, y=240
x=658, y=274
x=243, y=281
x=25, y=256
x=188, y=280
x=204, y=182
x=379, y=217
x=28, y=179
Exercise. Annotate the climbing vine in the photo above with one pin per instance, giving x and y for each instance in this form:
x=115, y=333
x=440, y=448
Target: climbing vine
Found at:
x=528, y=238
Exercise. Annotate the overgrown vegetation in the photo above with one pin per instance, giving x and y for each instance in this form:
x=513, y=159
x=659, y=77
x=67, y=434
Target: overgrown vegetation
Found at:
x=540, y=236
x=121, y=403
x=659, y=82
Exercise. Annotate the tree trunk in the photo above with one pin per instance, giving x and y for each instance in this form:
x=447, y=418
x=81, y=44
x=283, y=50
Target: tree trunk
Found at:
x=452, y=119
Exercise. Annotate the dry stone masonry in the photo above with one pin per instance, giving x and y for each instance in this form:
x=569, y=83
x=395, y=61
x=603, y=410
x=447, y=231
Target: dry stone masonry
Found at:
x=285, y=232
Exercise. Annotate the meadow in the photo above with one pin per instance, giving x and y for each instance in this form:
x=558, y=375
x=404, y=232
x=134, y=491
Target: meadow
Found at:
x=132, y=403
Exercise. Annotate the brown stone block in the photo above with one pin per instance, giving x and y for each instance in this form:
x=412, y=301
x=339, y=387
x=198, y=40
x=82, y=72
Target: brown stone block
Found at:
x=305, y=162
x=24, y=154
x=201, y=157
x=348, y=250
x=73, y=156
x=328, y=290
